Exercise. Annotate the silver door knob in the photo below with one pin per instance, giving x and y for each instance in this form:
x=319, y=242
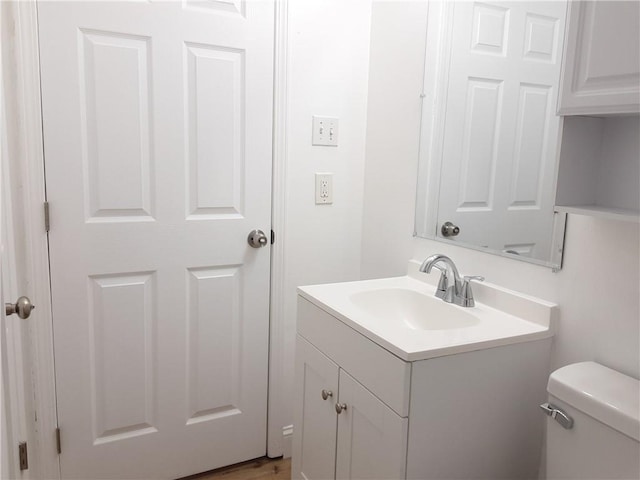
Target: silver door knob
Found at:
x=22, y=307
x=257, y=239
x=449, y=229
x=326, y=394
x=340, y=407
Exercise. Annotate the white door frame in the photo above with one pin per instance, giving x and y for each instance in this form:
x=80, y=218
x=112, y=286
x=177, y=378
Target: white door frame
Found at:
x=278, y=434
x=44, y=453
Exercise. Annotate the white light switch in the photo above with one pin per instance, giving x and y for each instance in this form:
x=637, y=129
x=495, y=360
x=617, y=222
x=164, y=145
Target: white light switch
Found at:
x=325, y=131
x=324, y=188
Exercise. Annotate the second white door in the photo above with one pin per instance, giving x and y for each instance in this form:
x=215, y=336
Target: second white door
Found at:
x=157, y=125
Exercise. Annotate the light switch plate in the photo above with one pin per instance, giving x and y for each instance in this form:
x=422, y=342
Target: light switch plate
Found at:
x=325, y=131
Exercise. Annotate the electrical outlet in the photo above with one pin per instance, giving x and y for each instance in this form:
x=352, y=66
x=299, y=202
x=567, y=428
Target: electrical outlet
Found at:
x=324, y=188
x=325, y=131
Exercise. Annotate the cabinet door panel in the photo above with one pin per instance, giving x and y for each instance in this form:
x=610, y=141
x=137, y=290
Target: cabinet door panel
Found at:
x=602, y=52
x=314, y=432
x=372, y=438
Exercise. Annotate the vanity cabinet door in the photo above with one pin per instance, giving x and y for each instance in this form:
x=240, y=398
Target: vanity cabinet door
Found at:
x=601, y=69
x=315, y=419
x=372, y=438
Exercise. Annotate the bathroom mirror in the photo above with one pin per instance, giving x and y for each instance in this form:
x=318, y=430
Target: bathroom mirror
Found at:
x=490, y=135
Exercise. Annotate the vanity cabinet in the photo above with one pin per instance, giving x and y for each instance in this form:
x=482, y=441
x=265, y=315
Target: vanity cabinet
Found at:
x=468, y=415
x=601, y=67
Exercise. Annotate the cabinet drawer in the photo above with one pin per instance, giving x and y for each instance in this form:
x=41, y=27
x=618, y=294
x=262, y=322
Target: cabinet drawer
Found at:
x=381, y=372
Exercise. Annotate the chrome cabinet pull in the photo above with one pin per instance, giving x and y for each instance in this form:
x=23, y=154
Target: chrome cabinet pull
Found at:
x=326, y=394
x=340, y=407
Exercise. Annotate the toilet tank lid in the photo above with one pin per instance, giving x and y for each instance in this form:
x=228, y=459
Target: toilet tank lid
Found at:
x=604, y=394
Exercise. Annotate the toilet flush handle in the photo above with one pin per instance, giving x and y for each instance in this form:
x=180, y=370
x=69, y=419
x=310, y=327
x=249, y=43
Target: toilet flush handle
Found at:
x=558, y=415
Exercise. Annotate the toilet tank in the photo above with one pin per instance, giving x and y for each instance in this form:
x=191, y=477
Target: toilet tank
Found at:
x=604, y=440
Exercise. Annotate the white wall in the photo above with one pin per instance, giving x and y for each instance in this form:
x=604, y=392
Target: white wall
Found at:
x=328, y=75
x=598, y=287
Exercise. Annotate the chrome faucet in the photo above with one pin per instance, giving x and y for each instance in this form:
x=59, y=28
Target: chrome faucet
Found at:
x=451, y=287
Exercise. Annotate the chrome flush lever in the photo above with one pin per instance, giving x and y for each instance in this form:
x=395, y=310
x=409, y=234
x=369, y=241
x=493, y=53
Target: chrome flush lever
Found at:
x=558, y=415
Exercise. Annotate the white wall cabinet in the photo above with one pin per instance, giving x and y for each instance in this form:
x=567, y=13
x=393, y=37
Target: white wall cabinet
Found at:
x=601, y=67
x=599, y=161
x=469, y=415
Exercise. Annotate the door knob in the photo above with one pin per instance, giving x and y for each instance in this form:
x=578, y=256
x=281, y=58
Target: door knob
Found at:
x=257, y=239
x=22, y=307
x=449, y=229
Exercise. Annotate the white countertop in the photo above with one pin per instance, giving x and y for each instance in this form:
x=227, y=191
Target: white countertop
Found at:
x=503, y=317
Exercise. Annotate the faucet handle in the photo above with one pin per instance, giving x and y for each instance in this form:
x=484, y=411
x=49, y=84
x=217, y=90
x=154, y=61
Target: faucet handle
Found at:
x=466, y=294
x=443, y=283
x=468, y=278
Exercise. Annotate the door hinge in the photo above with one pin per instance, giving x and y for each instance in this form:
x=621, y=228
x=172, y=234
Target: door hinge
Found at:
x=22, y=456
x=273, y=237
x=58, y=443
x=47, y=224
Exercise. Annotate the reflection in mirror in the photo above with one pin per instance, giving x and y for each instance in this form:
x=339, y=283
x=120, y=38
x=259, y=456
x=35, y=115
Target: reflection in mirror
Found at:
x=490, y=133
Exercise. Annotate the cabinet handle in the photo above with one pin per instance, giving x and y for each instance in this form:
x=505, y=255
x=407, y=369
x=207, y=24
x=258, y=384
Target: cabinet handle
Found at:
x=340, y=407
x=326, y=394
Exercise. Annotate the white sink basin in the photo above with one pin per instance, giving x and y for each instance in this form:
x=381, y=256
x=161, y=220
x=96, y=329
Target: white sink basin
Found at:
x=416, y=310
x=402, y=315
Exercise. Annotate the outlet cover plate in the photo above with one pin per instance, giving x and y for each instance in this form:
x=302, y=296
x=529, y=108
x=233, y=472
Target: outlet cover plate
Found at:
x=324, y=188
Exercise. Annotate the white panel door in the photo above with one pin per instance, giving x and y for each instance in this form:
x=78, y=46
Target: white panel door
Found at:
x=157, y=127
x=501, y=131
x=372, y=438
x=314, y=430
x=15, y=404
x=16, y=394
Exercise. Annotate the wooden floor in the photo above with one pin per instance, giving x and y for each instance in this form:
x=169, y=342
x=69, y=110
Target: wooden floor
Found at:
x=259, y=469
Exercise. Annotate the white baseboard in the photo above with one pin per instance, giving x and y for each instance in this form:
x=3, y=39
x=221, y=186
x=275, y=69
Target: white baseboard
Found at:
x=287, y=441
